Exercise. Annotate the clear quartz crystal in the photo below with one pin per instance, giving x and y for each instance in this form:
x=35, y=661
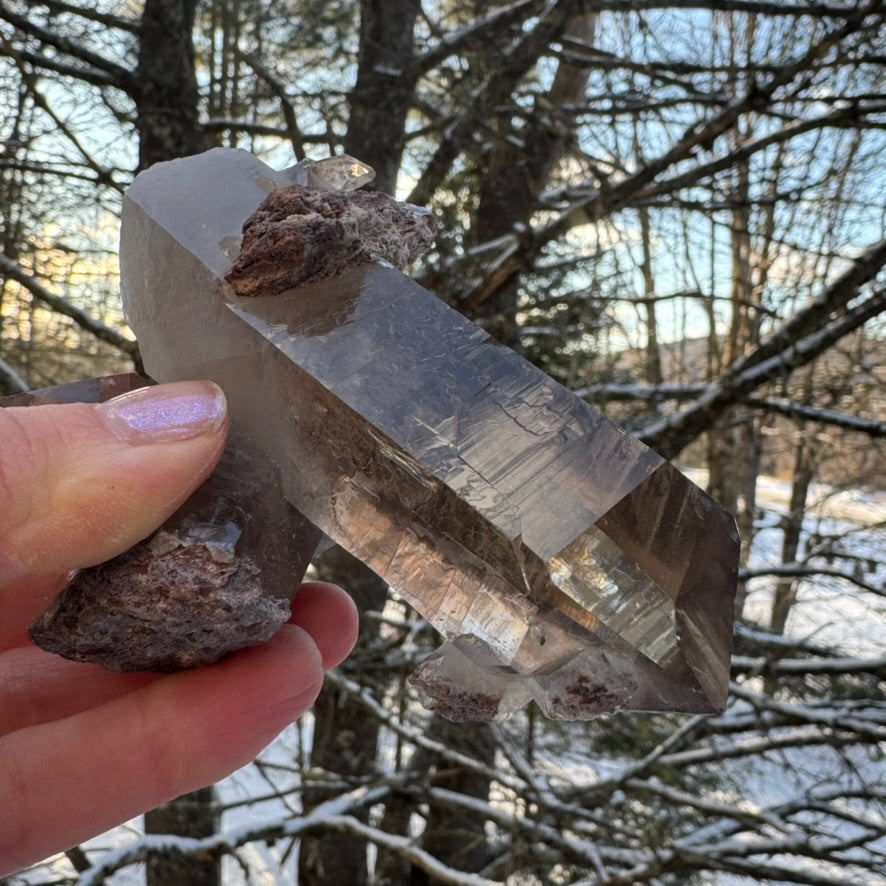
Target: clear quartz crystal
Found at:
x=562, y=559
x=339, y=173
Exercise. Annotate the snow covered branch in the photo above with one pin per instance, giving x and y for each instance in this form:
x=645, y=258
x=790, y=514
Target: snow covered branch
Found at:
x=798, y=342
x=220, y=844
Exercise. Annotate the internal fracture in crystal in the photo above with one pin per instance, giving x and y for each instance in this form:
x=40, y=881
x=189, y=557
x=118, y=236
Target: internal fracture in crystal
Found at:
x=562, y=560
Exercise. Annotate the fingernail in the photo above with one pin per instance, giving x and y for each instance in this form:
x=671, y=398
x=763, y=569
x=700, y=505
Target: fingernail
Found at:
x=168, y=412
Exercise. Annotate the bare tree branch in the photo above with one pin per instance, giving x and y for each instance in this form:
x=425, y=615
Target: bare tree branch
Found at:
x=296, y=139
x=793, y=667
x=851, y=112
x=610, y=392
x=870, y=724
x=75, y=71
x=102, y=332
x=831, y=299
x=605, y=198
x=482, y=29
x=123, y=79
x=116, y=22
x=517, y=58
x=869, y=426
x=758, y=7
x=220, y=844
x=10, y=380
x=805, y=570
x=102, y=176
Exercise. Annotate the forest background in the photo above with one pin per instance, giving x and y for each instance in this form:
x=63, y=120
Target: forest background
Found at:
x=676, y=209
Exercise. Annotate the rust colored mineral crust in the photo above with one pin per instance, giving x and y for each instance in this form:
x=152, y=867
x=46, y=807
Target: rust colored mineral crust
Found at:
x=562, y=560
x=300, y=235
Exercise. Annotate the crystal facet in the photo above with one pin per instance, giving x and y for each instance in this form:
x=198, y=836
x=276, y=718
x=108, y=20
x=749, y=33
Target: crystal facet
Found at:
x=218, y=575
x=339, y=173
x=562, y=559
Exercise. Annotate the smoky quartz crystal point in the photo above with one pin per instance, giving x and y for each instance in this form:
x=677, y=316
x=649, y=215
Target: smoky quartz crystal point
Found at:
x=562, y=559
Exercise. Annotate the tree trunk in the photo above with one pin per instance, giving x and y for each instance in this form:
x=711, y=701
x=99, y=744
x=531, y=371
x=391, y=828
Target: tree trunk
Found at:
x=345, y=739
x=511, y=182
x=168, y=127
x=167, y=97
x=734, y=442
x=458, y=837
x=515, y=170
x=385, y=87
x=653, y=355
x=191, y=815
x=804, y=471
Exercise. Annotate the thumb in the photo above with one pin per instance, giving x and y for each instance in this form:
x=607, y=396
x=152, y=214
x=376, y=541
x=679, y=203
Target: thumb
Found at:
x=80, y=483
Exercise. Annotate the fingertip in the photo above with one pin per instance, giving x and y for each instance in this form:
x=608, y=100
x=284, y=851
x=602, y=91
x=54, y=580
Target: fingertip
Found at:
x=330, y=616
x=80, y=483
x=213, y=720
x=293, y=670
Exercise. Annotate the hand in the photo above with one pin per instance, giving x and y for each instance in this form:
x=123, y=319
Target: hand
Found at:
x=81, y=748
